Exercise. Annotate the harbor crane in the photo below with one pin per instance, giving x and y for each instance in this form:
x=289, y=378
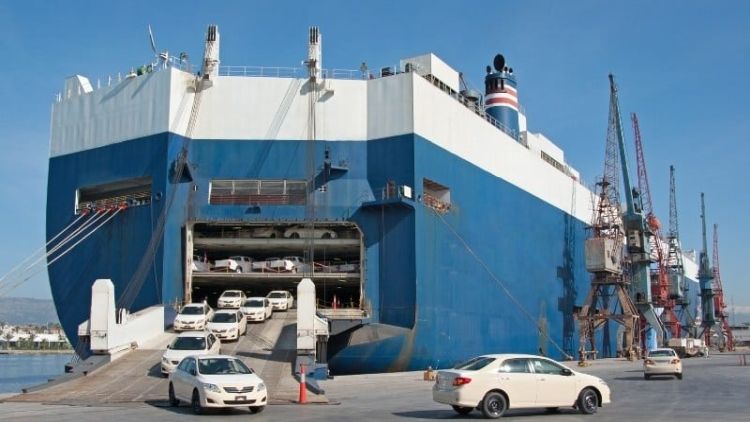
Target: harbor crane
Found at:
x=679, y=289
x=726, y=339
x=705, y=278
x=636, y=237
x=608, y=299
x=660, y=288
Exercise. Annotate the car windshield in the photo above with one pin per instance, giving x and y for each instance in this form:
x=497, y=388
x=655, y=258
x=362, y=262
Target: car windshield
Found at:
x=221, y=366
x=255, y=303
x=236, y=258
x=189, y=343
x=475, y=364
x=660, y=353
x=231, y=294
x=276, y=295
x=220, y=317
x=192, y=310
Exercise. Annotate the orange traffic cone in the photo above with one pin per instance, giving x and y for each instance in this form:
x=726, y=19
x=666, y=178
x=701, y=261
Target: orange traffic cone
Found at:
x=302, y=385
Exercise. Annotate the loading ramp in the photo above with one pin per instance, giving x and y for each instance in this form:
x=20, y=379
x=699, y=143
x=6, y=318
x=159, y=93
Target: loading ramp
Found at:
x=268, y=348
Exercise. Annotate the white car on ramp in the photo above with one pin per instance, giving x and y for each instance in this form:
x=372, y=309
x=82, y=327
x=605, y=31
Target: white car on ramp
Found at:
x=193, y=316
x=228, y=324
x=187, y=344
x=257, y=309
x=216, y=381
x=496, y=383
x=281, y=300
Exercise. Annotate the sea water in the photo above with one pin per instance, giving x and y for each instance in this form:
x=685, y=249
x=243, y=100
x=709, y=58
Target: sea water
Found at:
x=19, y=371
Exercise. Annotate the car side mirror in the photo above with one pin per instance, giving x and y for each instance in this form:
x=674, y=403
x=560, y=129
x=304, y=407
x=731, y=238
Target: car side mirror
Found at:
x=169, y=347
x=567, y=372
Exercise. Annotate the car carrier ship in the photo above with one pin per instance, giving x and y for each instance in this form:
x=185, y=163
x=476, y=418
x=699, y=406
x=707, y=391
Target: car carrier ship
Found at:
x=428, y=213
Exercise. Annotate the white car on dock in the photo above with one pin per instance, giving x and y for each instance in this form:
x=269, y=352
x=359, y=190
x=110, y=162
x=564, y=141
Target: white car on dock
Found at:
x=662, y=362
x=193, y=316
x=228, y=324
x=281, y=300
x=495, y=383
x=231, y=299
x=236, y=264
x=257, y=309
x=187, y=344
x=216, y=381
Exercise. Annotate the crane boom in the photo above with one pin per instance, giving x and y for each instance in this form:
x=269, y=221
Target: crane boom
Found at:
x=659, y=276
x=636, y=232
x=705, y=276
x=726, y=339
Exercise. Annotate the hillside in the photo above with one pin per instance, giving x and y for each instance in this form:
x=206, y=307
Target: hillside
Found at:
x=19, y=310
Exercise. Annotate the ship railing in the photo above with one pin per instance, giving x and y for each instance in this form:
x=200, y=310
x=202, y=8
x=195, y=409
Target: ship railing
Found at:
x=287, y=72
x=476, y=107
x=144, y=69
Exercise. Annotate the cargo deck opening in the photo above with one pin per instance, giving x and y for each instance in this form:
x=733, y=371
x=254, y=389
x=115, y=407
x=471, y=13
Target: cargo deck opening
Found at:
x=260, y=257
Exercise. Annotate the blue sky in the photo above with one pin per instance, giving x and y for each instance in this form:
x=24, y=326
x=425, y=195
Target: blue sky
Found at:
x=683, y=66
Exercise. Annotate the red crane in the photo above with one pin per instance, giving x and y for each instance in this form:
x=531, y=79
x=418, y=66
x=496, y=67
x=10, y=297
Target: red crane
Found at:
x=659, y=275
x=719, y=304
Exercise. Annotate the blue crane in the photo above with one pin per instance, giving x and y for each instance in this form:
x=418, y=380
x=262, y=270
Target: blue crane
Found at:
x=637, y=232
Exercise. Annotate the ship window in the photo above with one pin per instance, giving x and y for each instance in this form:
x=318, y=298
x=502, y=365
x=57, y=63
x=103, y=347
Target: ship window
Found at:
x=436, y=196
x=257, y=192
x=130, y=192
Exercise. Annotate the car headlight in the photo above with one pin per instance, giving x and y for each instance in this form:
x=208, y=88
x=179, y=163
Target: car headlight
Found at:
x=261, y=387
x=164, y=360
x=212, y=387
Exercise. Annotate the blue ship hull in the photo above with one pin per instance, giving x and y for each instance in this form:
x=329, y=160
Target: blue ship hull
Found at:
x=502, y=271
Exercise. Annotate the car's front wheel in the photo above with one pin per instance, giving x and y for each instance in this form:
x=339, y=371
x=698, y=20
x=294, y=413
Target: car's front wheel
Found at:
x=494, y=405
x=257, y=409
x=195, y=403
x=173, y=401
x=588, y=402
x=461, y=410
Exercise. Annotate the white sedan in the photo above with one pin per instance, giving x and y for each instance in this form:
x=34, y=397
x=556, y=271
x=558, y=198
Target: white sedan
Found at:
x=281, y=300
x=231, y=299
x=193, y=316
x=216, y=381
x=186, y=344
x=257, y=309
x=496, y=383
x=228, y=324
x=662, y=362
x=307, y=233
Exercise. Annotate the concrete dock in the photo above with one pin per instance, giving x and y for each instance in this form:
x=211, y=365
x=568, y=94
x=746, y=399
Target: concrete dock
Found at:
x=712, y=389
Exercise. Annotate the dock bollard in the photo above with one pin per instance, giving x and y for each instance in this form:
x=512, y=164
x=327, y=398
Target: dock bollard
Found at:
x=302, y=385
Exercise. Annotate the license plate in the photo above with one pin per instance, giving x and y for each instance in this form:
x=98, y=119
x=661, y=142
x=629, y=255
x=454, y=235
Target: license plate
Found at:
x=240, y=398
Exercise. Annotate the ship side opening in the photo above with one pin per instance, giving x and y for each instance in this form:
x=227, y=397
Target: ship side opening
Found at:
x=130, y=192
x=260, y=257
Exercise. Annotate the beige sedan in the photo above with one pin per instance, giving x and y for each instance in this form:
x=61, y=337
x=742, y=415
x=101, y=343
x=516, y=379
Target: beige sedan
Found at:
x=662, y=362
x=495, y=383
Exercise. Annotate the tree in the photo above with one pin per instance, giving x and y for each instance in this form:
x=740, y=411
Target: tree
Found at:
x=8, y=336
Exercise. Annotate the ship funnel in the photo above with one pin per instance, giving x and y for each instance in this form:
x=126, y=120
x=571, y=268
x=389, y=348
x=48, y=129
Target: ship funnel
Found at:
x=501, y=96
x=314, y=60
x=211, y=54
